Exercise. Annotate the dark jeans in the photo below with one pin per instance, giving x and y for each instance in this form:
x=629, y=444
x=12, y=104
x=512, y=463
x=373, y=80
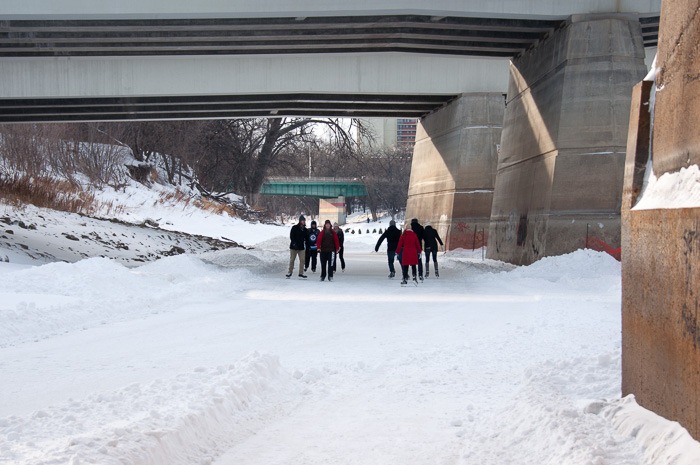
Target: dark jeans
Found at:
x=310, y=256
x=428, y=253
x=404, y=268
x=339, y=255
x=391, y=256
x=327, y=259
x=420, y=266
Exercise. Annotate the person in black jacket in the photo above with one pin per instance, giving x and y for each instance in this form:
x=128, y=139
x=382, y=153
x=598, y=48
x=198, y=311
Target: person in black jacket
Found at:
x=392, y=236
x=298, y=238
x=311, y=249
x=341, y=239
x=418, y=229
x=431, y=239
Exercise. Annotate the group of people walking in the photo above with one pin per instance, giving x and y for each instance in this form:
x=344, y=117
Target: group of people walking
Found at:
x=327, y=244
x=310, y=244
x=407, y=246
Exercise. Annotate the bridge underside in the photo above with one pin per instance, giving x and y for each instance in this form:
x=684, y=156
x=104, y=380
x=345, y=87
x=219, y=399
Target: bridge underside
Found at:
x=218, y=106
x=334, y=34
x=373, y=65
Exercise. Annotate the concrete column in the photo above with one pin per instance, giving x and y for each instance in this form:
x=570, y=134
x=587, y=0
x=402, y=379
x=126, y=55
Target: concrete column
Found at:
x=454, y=167
x=661, y=246
x=331, y=209
x=560, y=169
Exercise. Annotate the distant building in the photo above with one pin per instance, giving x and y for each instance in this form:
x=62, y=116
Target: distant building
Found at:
x=389, y=132
x=406, y=131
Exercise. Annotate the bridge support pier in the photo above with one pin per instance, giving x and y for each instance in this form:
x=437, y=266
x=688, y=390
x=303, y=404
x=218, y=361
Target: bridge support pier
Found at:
x=560, y=168
x=661, y=240
x=453, y=170
x=331, y=209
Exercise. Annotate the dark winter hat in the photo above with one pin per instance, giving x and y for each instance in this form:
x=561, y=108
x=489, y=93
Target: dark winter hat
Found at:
x=313, y=223
x=414, y=220
x=392, y=223
x=301, y=218
x=327, y=222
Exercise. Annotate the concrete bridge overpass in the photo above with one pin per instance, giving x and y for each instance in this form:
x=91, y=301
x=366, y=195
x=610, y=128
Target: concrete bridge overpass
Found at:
x=71, y=60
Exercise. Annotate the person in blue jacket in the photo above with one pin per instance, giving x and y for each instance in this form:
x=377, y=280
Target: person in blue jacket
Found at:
x=311, y=248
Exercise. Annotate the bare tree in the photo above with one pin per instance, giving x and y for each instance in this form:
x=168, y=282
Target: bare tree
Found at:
x=239, y=154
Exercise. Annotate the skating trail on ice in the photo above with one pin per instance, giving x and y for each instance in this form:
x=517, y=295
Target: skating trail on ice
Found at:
x=218, y=359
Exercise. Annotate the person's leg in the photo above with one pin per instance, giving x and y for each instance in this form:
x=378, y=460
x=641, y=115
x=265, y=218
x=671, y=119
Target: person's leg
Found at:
x=390, y=257
x=437, y=273
x=331, y=265
x=314, y=260
x=404, y=271
x=342, y=260
x=292, y=257
x=302, y=257
x=324, y=262
x=413, y=271
x=427, y=262
x=420, y=267
x=306, y=260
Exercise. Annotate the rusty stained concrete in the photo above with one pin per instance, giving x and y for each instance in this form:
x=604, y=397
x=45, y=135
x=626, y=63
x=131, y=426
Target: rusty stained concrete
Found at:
x=661, y=248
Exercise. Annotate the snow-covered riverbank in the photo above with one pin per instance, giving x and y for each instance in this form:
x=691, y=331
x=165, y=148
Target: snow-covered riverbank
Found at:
x=218, y=359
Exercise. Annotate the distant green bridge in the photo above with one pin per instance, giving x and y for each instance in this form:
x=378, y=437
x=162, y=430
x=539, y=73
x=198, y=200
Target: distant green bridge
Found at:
x=322, y=188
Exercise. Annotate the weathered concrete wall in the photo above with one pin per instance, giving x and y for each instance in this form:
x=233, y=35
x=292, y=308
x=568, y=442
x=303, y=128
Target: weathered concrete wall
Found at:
x=560, y=169
x=331, y=209
x=454, y=167
x=661, y=248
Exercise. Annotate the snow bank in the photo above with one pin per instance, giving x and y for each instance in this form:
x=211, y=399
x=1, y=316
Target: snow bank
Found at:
x=550, y=422
x=560, y=414
x=663, y=441
x=56, y=298
x=583, y=263
x=254, y=260
x=186, y=420
x=137, y=204
x=672, y=190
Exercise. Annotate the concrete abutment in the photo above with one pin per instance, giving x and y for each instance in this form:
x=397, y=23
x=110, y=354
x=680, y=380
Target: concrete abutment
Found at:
x=560, y=169
x=454, y=167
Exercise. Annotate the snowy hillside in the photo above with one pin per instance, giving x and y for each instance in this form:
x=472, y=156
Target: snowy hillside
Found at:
x=213, y=357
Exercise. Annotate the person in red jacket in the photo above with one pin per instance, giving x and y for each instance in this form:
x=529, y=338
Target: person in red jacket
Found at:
x=328, y=245
x=409, y=250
